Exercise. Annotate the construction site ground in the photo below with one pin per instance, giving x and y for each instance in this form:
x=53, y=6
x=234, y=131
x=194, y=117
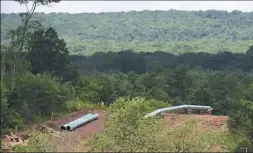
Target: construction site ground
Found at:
x=78, y=140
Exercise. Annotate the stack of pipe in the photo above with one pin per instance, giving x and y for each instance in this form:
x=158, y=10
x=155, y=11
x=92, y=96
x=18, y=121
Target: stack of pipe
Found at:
x=178, y=108
x=80, y=121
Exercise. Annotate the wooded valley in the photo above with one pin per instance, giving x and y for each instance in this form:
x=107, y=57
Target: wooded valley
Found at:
x=54, y=62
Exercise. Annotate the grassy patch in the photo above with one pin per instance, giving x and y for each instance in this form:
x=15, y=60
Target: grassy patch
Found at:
x=78, y=104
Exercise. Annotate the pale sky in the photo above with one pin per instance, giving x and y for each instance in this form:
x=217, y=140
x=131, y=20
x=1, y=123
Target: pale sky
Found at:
x=118, y=6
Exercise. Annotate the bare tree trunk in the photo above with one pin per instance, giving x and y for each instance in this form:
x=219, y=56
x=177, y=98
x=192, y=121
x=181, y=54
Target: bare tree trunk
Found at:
x=23, y=37
x=27, y=19
x=13, y=73
x=2, y=74
x=52, y=116
x=18, y=57
x=2, y=67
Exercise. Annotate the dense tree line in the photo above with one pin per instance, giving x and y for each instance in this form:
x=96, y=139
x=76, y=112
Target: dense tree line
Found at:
x=177, y=86
x=127, y=61
x=173, y=25
x=171, y=31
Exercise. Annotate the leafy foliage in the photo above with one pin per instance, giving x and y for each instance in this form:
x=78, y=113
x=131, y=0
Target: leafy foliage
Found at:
x=170, y=31
x=47, y=53
x=241, y=121
x=36, y=143
x=124, y=118
x=39, y=95
x=9, y=118
x=77, y=104
x=182, y=85
x=36, y=66
x=127, y=61
x=127, y=130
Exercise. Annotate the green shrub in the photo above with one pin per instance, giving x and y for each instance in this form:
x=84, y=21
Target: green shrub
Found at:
x=9, y=118
x=39, y=95
x=127, y=130
x=75, y=105
x=125, y=126
x=241, y=124
x=36, y=143
x=143, y=105
x=87, y=89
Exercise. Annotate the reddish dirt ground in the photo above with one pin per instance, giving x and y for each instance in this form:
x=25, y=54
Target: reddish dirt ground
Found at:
x=86, y=130
x=214, y=120
x=208, y=121
x=84, y=133
x=74, y=141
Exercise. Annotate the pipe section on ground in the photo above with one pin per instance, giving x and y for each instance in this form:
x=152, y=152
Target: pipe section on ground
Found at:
x=63, y=127
x=178, y=108
x=79, y=122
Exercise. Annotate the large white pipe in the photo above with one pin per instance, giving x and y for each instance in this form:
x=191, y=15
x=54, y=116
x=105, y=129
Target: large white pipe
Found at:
x=177, y=108
x=64, y=127
x=81, y=121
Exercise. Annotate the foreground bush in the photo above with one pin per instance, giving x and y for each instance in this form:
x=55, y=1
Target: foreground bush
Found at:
x=126, y=126
x=241, y=123
x=126, y=130
x=36, y=143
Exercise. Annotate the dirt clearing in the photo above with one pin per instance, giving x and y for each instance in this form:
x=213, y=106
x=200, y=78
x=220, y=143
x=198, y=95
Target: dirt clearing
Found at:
x=208, y=122
x=73, y=141
x=78, y=139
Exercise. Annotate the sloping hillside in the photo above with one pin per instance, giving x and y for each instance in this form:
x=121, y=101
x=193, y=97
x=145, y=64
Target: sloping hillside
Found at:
x=148, y=31
x=79, y=139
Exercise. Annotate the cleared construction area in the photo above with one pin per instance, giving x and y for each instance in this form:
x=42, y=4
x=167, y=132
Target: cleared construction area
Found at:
x=71, y=131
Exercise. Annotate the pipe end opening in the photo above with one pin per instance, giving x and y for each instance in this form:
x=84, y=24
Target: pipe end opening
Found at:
x=63, y=128
x=68, y=128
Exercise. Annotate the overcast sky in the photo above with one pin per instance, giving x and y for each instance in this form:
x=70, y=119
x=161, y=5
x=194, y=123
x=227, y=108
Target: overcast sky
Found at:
x=116, y=6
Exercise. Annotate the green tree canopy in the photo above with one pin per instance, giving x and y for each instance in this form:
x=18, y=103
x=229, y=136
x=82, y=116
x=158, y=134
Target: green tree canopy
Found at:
x=47, y=53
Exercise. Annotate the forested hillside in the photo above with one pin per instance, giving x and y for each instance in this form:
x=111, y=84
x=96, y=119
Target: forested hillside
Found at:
x=40, y=79
x=148, y=31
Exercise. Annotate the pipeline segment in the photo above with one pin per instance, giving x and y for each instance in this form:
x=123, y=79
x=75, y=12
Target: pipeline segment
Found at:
x=63, y=127
x=80, y=121
x=178, y=108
